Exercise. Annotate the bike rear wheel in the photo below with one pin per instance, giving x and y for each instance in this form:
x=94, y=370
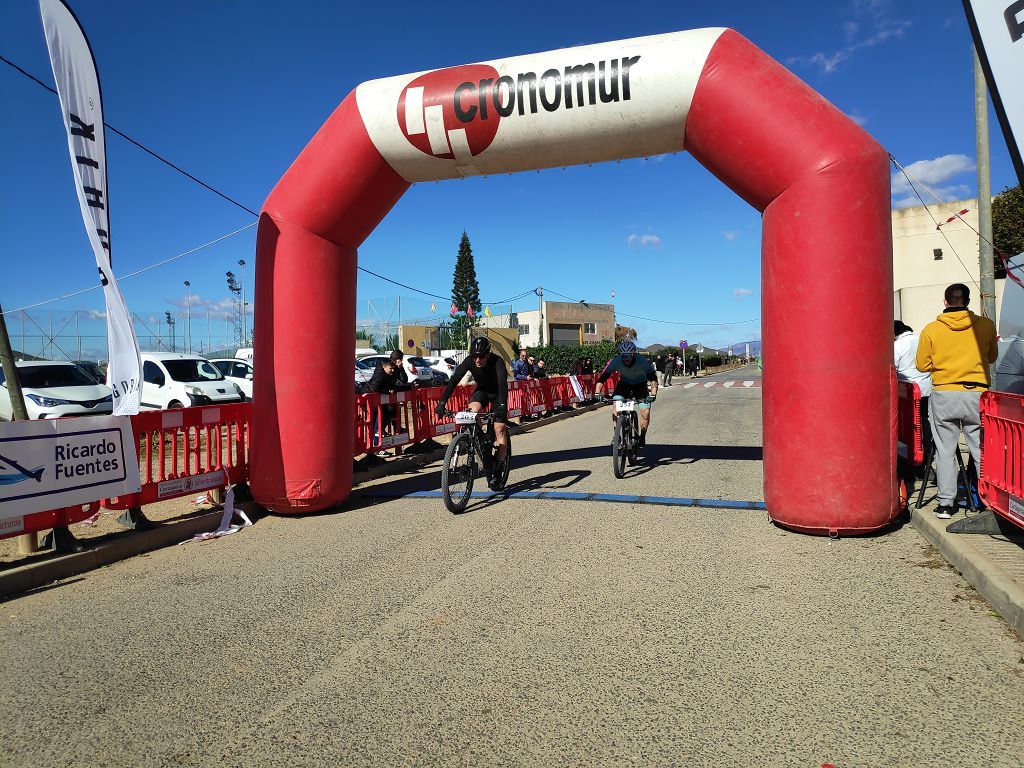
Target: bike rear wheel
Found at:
x=634, y=437
x=619, y=447
x=458, y=473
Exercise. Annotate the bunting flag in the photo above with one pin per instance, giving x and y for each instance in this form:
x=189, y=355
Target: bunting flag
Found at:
x=613, y=294
x=487, y=311
x=454, y=309
x=433, y=307
x=78, y=87
x=469, y=310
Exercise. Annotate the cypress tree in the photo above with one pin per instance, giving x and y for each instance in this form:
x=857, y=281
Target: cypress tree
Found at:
x=465, y=289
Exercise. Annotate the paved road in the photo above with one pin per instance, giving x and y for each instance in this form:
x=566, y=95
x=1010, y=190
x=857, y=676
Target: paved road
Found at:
x=524, y=632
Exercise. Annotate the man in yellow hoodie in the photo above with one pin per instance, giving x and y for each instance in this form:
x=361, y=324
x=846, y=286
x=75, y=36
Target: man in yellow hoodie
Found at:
x=956, y=349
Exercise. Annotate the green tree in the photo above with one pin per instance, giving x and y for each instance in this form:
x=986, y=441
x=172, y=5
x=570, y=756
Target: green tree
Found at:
x=465, y=288
x=1008, y=225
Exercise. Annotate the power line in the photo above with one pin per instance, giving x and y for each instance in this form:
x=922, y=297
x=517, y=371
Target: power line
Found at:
x=132, y=274
x=141, y=146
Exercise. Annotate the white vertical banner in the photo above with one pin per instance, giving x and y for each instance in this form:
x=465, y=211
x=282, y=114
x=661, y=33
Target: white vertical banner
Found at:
x=998, y=30
x=78, y=86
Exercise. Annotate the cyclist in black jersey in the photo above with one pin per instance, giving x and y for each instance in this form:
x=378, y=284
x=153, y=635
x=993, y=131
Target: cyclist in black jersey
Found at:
x=491, y=377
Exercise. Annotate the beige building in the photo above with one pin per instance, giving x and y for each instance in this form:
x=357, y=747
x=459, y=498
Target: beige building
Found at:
x=924, y=262
x=565, y=323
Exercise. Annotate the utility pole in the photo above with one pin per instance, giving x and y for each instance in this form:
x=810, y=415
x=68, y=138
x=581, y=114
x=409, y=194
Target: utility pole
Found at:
x=28, y=542
x=188, y=317
x=540, y=300
x=987, y=270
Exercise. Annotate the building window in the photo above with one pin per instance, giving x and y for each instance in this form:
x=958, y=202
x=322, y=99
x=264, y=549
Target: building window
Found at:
x=524, y=329
x=589, y=328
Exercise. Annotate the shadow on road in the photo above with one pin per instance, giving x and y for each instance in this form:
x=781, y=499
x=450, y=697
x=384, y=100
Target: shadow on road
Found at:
x=653, y=454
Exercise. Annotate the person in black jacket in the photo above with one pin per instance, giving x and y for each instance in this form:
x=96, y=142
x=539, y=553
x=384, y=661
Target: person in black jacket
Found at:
x=491, y=377
x=389, y=376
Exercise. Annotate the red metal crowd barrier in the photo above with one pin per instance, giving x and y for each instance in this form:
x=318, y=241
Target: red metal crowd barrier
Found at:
x=909, y=423
x=44, y=521
x=187, y=450
x=1001, y=481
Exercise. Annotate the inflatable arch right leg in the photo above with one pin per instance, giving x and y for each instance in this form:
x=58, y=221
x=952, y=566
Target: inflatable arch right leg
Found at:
x=821, y=182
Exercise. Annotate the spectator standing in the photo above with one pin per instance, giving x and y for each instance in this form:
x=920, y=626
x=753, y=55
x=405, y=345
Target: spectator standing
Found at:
x=521, y=368
x=540, y=370
x=957, y=349
x=532, y=362
x=388, y=377
x=659, y=366
x=905, y=343
x=670, y=367
x=588, y=366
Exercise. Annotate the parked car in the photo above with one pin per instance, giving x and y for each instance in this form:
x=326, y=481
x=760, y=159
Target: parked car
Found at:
x=418, y=370
x=237, y=372
x=175, y=380
x=364, y=372
x=95, y=371
x=445, y=365
x=54, y=389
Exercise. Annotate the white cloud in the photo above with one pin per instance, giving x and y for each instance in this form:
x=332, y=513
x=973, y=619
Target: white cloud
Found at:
x=95, y=314
x=731, y=234
x=935, y=174
x=872, y=25
x=740, y=292
x=858, y=118
x=635, y=240
x=217, y=308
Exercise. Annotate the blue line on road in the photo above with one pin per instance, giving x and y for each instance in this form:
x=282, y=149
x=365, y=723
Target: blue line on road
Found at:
x=614, y=498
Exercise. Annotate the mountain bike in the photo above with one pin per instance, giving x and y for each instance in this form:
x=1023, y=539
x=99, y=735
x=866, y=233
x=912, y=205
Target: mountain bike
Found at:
x=471, y=455
x=627, y=431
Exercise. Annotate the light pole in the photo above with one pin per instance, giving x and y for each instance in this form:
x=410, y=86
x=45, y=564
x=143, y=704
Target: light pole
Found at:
x=188, y=317
x=245, y=321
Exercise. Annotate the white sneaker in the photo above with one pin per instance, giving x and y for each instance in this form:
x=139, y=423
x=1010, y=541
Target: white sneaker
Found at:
x=943, y=512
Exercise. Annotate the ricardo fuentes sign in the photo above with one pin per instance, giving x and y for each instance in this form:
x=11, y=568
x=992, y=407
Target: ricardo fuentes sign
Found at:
x=47, y=465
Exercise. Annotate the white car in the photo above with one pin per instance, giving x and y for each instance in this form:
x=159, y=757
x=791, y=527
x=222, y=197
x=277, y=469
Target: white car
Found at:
x=445, y=365
x=416, y=368
x=363, y=374
x=237, y=372
x=174, y=380
x=54, y=389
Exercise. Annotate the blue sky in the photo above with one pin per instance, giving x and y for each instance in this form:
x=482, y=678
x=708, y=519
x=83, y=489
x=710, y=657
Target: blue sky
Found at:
x=232, y=91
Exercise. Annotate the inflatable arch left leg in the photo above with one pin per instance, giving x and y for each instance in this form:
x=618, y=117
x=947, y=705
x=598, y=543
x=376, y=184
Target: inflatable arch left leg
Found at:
x=820, y=180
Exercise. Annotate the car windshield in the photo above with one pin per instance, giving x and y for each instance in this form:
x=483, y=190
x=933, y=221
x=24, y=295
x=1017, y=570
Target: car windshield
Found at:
x=363, y=366
x=419, y=362
x=43, y=376
x=192, y=370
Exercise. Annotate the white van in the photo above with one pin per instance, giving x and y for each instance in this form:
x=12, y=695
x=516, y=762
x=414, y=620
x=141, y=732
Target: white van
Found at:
x=174, y=380
x=245, y=353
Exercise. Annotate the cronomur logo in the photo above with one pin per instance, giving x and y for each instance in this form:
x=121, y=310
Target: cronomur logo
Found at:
x=455, y=113
x=427, y=114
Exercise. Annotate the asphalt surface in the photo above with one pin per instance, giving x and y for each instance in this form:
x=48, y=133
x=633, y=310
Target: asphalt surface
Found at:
x=524, y=631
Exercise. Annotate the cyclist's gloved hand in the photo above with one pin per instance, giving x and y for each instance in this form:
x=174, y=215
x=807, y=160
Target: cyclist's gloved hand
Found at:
x=440, y=410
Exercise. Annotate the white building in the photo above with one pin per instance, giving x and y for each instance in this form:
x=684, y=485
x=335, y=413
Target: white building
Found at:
x=565, y=324
x=925, y=260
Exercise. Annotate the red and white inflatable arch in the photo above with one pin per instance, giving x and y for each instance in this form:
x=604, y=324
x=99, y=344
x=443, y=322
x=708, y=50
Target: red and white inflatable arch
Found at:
x=821, y=182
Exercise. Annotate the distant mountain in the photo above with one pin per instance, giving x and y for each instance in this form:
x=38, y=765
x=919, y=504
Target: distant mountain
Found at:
x=737, y=349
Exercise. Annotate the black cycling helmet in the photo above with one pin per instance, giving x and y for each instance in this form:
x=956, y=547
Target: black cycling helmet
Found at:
x=480, y=346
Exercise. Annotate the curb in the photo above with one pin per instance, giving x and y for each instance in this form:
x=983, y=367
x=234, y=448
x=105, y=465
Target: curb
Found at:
x=1002, y=593
x=128, y=544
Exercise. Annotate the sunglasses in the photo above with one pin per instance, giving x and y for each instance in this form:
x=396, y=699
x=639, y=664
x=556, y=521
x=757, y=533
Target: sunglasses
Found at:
x=481, y=356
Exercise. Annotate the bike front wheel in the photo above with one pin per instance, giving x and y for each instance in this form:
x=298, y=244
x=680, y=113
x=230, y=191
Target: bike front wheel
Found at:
x=501, y=472
x=458, y=472
x=619, y=447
